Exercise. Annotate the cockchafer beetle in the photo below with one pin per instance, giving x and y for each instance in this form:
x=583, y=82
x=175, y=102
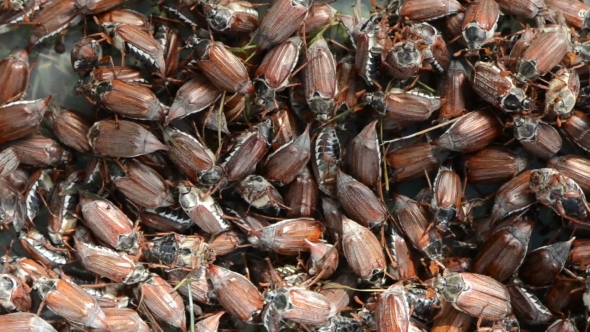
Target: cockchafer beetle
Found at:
x=365, y=157
x=579, y=256
x=192, y=97
x=562, y=93
x=451, y=320
x=474, y=294
x=288, y=237
x=359, y=201
x=498, y=89
x=577, y=128
x=71, y=302
x=225, y=70
x=261, y=194
x=550, y=259
x=544, y=53
x=71, y=129
x=273, y=73
x=281, y=20
x=575, y=13
x=21, y=118
x=39, y=248
x=29, y=270
x=436, y=53
x=560, y=193
x=25, y=321
x=503, y=252
x=238, y=296
x=226, y=243
x=163, y=302
x=250, y=148
x=324, y=259
x=40, y=151
x=562, y=325
x=367, y=60
x=403, y=107
x=123, y=140
x=326, y=158
x=16, y=11
x=233, y=17
x=363, y=252
x=9, y=162
x=176, y=250
x=53, y=19
x=125, y=16
x=62, y=205
x=202, y=209
x=409, y=162
x=347, y=85
x=404, y=59
x=428, y=10
x=14, y=70
x=37, y=190
x=413, y=220
x=166, y=219
x=319, y=16
x=298, y=305
x=513, y=196
x=136, y=41
x=527, y=306
x=14, y=294
x=320, y=79
x=12, y=206
x=85, y=55
x=124, y=320
x=454, y=89
x=201, y=288
x=480, y=23
x=141, y=184
x=536, y=136
x=472, y=132
x=493, y=164
x=109, y=223
x=108, y=263
x=402, y=267
x=210, y=323
x=447, y=197
x=302, y=195
x=283, y=165
x=562, y=295
x=340, y=297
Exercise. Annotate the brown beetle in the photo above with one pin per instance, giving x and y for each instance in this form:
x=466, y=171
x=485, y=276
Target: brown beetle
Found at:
x=288, y=237
x=365, y=157
x=40, y=151
x=403, y=107
x=142, y=185
x=493, y=164
x=320, y=79
x=25, y=321
x=537, y=137
x=544, y=53
x=428, y=10
x=326, y=157
x=451, y=320
x=447, y=197
x=14, y=70
x=563, y=91
x=454, y=89
x=201, y=288
x=319, y=16
x=202, y=209
x=237, y=295
x=71, y=302
x=194, y=96
x=527, y=307
x=62, y=218
x=125, y=16
x=410, y=161
x=261, y=194
x=39, y=248
x=85, y=55
x=124, y=320
x=71, y=129
x=163, y=302
x=176, y=250
x=480, y=23
x=287, y=161
x=513, y=196
x=562, y=325
x=123, y=140
x=404, y=59
x=402, y=267
x=210, y=323
x=234, y=17
x=576, y=13
x=302, y=195
x=190, y=156
x=298, y=305
x=21, y=118
x=360, y=202
x=475, y=294
x=53, y=19
x=9, y=162
x=363, y=252
x=250, y=148
x=551, y=259
x=281, y=20
x=497, y=89
x=225, y=70
x=15, y=295
x=577, y=127
x=503, y=252
x=560, y=193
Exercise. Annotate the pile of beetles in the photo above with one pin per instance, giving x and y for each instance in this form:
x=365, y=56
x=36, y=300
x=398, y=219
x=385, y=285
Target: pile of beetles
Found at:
x=243, y=172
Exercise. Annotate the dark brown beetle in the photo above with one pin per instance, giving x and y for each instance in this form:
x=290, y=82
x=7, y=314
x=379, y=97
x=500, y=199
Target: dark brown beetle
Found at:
x=475, y=294
x=283, y=165
x=347, y=85
x=250, y=148
x=363, y=252
x=40, y=151
x=513, y=196
x=141, y=184
x=234, y=17
x=562, y=325
x=480, y=23
x=560, y=193
x=550, y=259
x=225, y=70
x=544, y=53
x=320, y=79
x=14, y=70
x=53, y=19
x=577, y=128
x=124, y=140
x=472, y=132
x=576, y=13
x=403, y=107
x=527, y=306
x=360, y=202
x=537, y=137
x=428, y=10
x=454, y=89
x=498, y=89
x=404, y=59
x=410, y=161
x=493, y=164
x=72, y=129
x=447, y=197
x=564, y=295
x=193, y=158
x=580, y=254
x=501, y=255
x=280, y=21
x=365, y=157
x=86, y=55
x=194, y=96
x=21, y=118
x=319, y=16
